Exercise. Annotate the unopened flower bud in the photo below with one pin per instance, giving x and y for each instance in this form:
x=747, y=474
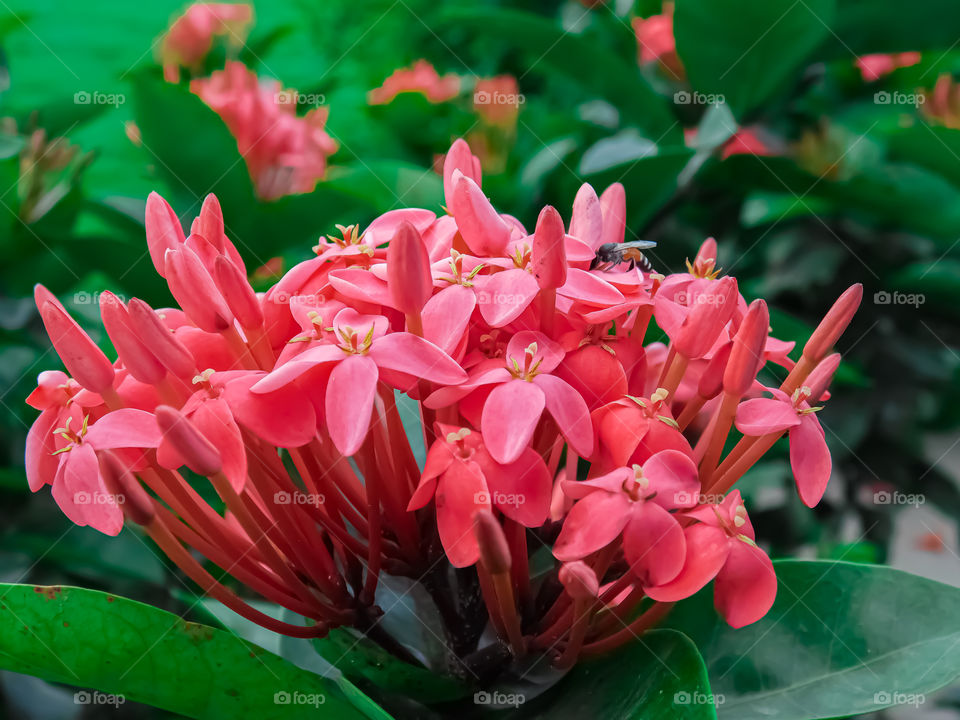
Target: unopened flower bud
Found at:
x=134, y=355
x=133, y=500
x=195, y=291
x=237, y=292
x=746, y=355
x=819, y=380
x=209, y=222
x=480, y=225
x=613, y=207
x=408, y=270
x=162, y=342
x=586, y=221
x=833, y=324
x=706, y=319
x=579, y=580
x=494, y=550
x=199, y=453
x=81, y=356
x=459, y=157
x=711, y=381
x=548, y=257
x=163, y=230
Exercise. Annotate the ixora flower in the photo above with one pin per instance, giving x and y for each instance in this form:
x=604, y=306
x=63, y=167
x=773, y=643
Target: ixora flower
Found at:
x=519, y=363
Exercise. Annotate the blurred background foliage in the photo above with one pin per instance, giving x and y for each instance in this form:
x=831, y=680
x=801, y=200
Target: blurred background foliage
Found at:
x=760, y=130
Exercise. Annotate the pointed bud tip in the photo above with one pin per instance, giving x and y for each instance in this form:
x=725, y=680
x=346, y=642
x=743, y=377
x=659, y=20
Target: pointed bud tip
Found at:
x=200, y=454
x=494, y=550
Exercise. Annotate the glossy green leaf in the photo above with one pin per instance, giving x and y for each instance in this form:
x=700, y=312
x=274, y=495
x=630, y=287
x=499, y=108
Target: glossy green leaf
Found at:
x=841, y=639
x=747, y=51
x=363, y=661
x=660, y=675
x=95, y=640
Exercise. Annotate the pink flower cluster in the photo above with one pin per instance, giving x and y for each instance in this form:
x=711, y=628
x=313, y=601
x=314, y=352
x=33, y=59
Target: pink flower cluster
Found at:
x=522, y=361
x=285, y=153
x=191, y=35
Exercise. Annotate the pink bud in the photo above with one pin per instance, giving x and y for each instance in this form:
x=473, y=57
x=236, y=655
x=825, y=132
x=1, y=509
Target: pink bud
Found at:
x=711, y=381
x=613, y=205
x=199, y=453
x=81, y=356
x=707, y=252
x=131, y=497
x=459, y=158
x=161, y=341
x=710, y=311
x=746, y=357
x=195, y=291
x=494, y=550
x=408, y=270
x=163, y=230
x=141, y=363
x=819, y=380
x=833, y=324
x=236, y=291
x=586, y=222
x=42, y=295
x=482, y=228
x=549, y=253
x=209, y=222
x=579, y=580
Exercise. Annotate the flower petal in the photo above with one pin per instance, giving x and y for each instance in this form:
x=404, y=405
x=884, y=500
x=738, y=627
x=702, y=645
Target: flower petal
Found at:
x=654, y=544
x=349, y=402
x=284, y=417
x=810, y=459
x=570, y=412
x=503, y=296
x=520, y=490
x=761, y=416
x=41, y=466
x=447, y=315
x=214, y=419
x=407, y=353
x=707, y=551
x=592, y=523
x=746, y=586
x=509, y=418
x=124, y=428
x=460, y=493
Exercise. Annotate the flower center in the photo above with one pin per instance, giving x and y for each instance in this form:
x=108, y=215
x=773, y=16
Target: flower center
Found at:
x=531, y=365
x=638, y=487
x=458, y=438
x=456, y=276
x=351, y=342
x=73, y=437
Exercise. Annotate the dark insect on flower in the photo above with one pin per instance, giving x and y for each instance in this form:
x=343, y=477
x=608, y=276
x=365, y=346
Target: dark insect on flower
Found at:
x=609, y=255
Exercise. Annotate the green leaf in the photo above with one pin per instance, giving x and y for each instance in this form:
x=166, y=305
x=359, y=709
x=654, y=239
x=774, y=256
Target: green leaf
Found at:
x=881, y=26
x=363, y=661
x=747, y=51
x=841, y=639
x=554, y=49
x=660, y=675
x=92, y=639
